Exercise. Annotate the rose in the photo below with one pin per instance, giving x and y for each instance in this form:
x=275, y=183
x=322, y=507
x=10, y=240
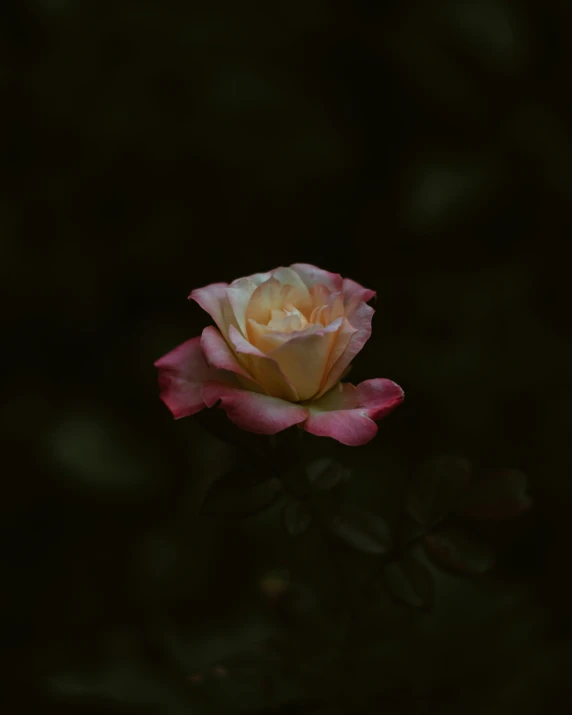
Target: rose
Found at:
x=284, y=341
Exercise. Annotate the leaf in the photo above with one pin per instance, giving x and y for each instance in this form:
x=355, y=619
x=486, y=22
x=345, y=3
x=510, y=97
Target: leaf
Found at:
x=241, y=492
x=297, y=518
x=325, y=473
x=498, y=495
x=434, y=490
x=458, y=552
x=361, y=529
x=410, y=582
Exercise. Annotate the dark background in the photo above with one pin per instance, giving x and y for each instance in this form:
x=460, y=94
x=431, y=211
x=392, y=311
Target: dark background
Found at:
x=422, y=149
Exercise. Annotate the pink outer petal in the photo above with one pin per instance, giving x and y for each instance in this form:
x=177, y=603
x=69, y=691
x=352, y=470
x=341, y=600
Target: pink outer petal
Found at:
x=214, y=300
x=347, y=413
x=252, y=411
x=182, y=373
x=218, y=354
x=379, y=397
x=312, y=274
x=355, y=292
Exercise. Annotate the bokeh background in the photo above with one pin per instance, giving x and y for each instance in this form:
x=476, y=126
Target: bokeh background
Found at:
x=423, y=149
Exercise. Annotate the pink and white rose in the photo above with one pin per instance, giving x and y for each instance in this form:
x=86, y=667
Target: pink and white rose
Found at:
x=283, y=341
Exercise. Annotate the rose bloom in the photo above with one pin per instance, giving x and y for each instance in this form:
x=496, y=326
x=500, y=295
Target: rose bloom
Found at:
x=283, y=341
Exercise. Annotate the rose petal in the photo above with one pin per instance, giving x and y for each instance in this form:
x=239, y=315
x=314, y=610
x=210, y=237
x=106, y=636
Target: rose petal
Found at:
x=268, y=338
x=288, y=276
x=268, y=296
x=354, y=292
x=218, y=354
x=320, y=295
x=239, y=294
x=347, y=413
x=273, y=295
x=303, y=358
x=263, y=369
x=286, y=322
x=312, y=274
x=360, y=321
x=343, y=337
x=379, y=397
x=251, y=411
x=334, y=308
x=214, y=300
x=182, y=373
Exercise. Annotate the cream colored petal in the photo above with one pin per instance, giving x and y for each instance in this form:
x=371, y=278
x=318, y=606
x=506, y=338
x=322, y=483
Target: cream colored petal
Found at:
x=322, y=315
x=303, y=358
x=312, y=274
x=336, y=306
x=333, y=310
x=268, y=296
x=314, y=314
x=264, y=338
x=267, y=338
x=361, y=322
x=287, y=276
x=343, y=338
x=295, y=298
x=239, y=294
x=320, y=294
x=263, y=369
x=288, y=323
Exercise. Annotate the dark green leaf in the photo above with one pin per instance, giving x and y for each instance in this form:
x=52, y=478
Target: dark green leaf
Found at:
x=458, y=552
x=498, y=495
x=361, y=529
x=297, y=518
x=410, y=530
x=410, y=582
x=435, y=489
x=241, y=492
x=325, y=473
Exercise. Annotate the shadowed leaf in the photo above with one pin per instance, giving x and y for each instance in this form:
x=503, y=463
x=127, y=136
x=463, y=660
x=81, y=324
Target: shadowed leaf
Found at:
x=361, y=529
x=434, y=490
x=458, y=552
x=296, y=518
x=498, y=495
x=410, y=582
x=241, y=492
x=325, y=473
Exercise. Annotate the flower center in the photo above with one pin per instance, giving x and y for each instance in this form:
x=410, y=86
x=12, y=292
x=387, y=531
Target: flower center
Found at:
x=288, y=320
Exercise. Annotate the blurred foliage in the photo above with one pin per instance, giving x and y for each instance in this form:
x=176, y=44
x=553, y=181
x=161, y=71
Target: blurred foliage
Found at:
x=422, y=149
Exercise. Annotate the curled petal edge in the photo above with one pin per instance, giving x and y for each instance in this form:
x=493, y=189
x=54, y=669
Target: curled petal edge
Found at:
x=182, y=372
x=252, y=411
x=348, y=414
